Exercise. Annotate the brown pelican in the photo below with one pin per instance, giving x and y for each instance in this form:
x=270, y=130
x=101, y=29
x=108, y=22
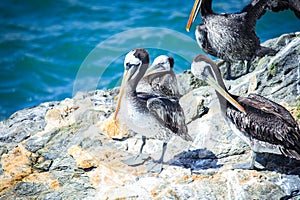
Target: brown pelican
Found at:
x=160, y=78
x=147, y=114
x=230, y=37
x=265, y=125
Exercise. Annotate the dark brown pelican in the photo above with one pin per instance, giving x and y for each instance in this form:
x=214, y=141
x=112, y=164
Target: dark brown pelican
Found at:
x=147, y=114
x=229, y=36
x=265, y=125
x=160, y=78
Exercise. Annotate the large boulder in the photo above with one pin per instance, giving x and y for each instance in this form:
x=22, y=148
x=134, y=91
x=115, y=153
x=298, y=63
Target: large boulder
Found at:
x=56, y=150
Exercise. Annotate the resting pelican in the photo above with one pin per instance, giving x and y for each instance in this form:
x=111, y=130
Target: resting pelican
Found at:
x=263, y=124
x=147, y=114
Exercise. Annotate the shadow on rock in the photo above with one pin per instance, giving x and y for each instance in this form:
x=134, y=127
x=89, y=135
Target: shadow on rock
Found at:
x=279, y=163
x=196, y=160
x=291, y=196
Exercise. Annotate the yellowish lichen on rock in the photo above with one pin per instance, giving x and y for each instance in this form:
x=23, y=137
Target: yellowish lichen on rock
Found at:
x=45, y=178
x=82, y=157
x=110, y=171
x=16, y=165
x=253, y=83
x=113, y=129
x=61, y=116
x=297, y=110
x=111, y=175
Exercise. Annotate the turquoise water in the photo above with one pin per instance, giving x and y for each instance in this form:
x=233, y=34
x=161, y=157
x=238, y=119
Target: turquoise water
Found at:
x=51, y=49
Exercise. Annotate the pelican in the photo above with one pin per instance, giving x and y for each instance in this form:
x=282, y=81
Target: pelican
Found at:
x=263, y=124
x=229, y=36
x=148, y=114
x=160, y=78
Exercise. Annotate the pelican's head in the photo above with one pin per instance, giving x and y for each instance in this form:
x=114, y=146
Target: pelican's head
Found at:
x=206, y=69
x=161, y=63
x=201, y=67
x=135, y=65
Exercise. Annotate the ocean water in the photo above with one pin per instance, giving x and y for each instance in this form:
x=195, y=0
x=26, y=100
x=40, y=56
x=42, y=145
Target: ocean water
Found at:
x=49, y=50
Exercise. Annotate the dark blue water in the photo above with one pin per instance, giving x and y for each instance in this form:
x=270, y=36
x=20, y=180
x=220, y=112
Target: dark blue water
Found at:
x=51, y=49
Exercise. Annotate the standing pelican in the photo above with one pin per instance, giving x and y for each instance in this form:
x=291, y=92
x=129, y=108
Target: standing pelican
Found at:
x=230, y=37
x=147, y=114
x=160, y=78
x=263, y=124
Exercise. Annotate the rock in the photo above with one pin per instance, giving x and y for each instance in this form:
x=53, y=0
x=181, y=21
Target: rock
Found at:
x=16, y=165
x=83, y=159
x=26, y=189
x=274, y=77
x=187, y=82
x=38, y=141
x=193, y=104
x=57, y=151
x=43, y=165
x=23, y=124
x=113, y=129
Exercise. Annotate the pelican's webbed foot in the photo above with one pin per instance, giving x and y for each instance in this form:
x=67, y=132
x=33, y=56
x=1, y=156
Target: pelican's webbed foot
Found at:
x=155, y=167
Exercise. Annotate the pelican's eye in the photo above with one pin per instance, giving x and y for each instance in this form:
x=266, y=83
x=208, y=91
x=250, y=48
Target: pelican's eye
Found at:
x=130, y=65
x=163, y=65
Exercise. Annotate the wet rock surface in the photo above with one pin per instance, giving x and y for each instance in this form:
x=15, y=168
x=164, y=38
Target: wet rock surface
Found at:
x=56, y=150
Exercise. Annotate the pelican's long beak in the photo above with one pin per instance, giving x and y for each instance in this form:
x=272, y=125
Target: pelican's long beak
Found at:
x=211, y=81
x=153, y=70
x=124, y=80
x=193, y=15
x=150, y=71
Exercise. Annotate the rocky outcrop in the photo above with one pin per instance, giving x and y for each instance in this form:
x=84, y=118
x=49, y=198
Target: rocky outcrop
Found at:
x=276, y=77
x=57, y=151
